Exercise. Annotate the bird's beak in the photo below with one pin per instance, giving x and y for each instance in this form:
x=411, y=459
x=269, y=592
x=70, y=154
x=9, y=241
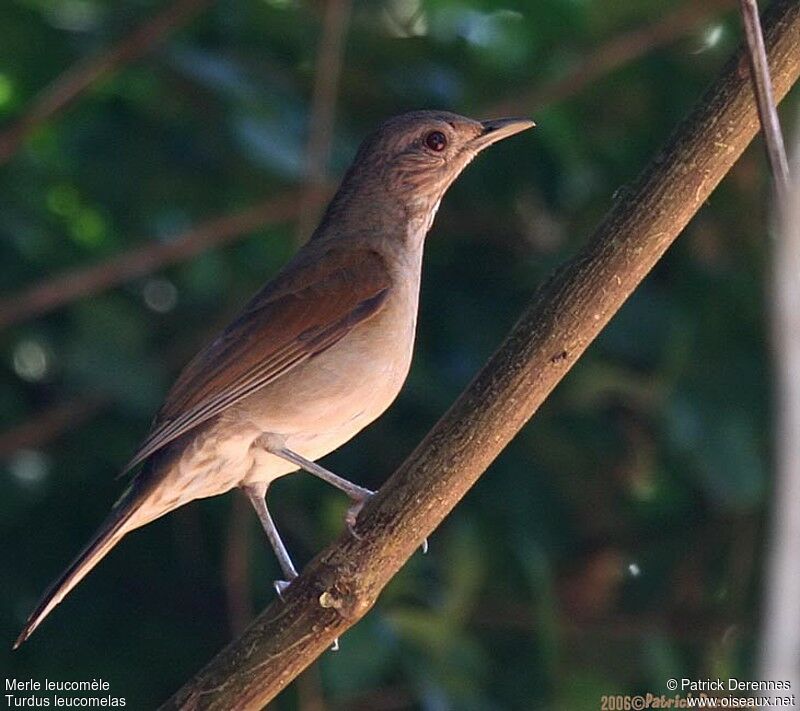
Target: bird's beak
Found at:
x=497, y=129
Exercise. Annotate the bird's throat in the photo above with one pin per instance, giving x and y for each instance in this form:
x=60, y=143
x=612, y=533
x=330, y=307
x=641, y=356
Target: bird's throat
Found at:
x=420, y=216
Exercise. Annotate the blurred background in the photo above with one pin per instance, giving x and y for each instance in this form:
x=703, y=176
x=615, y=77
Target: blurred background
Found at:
x=616, y=543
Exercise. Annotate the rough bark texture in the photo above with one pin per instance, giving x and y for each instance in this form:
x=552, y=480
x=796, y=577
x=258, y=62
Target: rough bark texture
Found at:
x=342, y=583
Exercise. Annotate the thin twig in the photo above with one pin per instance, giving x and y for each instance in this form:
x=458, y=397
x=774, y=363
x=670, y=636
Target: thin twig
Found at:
x=780, y=657
x=323, y=110
x=75, y=80
x=237, y=570
x=54, y=292
x=767, y=112
x=340, y=585
x=615, y=53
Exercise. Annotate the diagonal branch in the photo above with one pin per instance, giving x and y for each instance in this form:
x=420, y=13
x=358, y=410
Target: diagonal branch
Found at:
x=51, y=293
x=69, y=85
x=343, y=582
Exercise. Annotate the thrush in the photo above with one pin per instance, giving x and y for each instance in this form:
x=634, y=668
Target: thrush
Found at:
x=316, y=355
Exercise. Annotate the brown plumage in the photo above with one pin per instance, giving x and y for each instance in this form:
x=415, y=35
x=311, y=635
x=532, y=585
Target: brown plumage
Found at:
x=300, y=314
x=315, y=356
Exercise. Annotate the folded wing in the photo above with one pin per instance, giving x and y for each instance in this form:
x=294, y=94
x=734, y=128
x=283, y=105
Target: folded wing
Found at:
x=295, y=317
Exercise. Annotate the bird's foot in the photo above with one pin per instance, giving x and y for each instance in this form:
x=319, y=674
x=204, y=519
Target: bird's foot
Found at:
x=280, y=586
x=351, y=516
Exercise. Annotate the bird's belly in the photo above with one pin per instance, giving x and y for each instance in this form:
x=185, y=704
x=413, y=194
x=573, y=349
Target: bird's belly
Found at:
x=212, y=461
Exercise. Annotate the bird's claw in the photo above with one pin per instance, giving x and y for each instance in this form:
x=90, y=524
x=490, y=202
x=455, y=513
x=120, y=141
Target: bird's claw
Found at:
x=280, y=586
x=351, y=516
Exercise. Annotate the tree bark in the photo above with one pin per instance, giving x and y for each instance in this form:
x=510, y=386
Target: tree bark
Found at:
x=343, y=582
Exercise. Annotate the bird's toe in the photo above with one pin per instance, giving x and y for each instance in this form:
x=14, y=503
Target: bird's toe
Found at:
x=280, y=586
x=351, y=517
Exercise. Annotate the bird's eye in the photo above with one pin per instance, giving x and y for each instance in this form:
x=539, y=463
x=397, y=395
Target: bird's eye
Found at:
x=436, y=141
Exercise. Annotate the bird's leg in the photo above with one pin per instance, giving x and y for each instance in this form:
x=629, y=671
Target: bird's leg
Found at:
x=354, y=491
x=257, y=495
x=357, y=493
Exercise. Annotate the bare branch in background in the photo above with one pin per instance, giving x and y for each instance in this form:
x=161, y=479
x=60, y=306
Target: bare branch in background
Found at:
x=52, y=293
x=780, y=653
x=309, y=690
x=340, y=585
x=322, y=114
x=78, y=78
x=615, y=53
x=49, y=423
x=237, y=569
x=770, y=125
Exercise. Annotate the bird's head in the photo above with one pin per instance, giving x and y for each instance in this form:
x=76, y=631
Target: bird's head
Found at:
x=411, y=159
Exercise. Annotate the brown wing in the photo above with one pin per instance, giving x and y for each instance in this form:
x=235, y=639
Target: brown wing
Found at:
x=298, y=315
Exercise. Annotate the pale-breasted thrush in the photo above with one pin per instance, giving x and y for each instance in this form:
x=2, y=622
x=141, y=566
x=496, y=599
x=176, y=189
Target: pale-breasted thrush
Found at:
x=317, y=354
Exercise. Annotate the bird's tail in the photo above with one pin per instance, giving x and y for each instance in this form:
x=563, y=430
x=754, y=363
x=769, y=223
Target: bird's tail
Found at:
x=107, y=536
